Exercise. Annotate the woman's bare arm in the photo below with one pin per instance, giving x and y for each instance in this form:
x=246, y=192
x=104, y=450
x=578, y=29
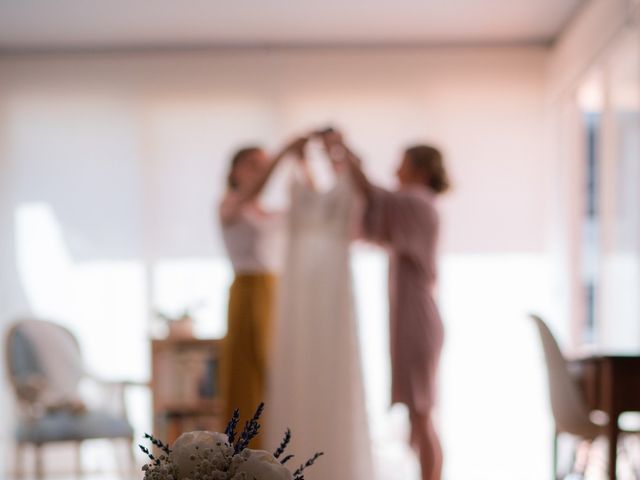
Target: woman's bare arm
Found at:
x=234, y=201
x=358, y=176
x=295, y=147
x=338, y=151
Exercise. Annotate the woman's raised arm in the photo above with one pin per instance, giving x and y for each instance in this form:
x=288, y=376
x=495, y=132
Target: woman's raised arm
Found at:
x=234, y=201
x=339, y=151
x=295, y=147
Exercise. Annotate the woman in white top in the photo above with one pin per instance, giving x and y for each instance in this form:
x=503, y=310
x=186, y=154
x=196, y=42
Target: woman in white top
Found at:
x=250, y=235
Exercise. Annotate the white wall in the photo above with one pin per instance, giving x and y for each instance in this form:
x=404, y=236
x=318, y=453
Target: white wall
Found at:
x=584, y=40
x=115, y=162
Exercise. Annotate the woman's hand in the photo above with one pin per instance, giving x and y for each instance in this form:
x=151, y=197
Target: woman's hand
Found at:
x=295, y=147
x=234, y=201
x=338, y=151
x=332, y=140
x=334, y=146
x=298, y=146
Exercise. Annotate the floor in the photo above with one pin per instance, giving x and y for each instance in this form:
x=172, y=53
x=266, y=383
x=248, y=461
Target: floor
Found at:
x=495, y=422
x=629, y=467
x=96, y=476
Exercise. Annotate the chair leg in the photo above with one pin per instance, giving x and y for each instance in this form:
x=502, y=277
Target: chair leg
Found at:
x=121, y=469
x=554, y=460
x=626, y=447
x=126, y=469
x=573, y=461
x=19, y=461
x=635, y=464
x=77, y=446
x=582, y=457
x=131, y=454
x=38, y=461
x=576, y=466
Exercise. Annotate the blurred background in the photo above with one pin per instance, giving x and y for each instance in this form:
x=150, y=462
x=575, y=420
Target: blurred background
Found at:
x=117, y=121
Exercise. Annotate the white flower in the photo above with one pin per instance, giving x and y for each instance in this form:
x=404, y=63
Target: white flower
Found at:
x=262, y=465
x=185, y=455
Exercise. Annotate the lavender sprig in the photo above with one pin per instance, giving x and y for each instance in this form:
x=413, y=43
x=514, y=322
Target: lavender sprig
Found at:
x=309, y=462
x=162, y=446
x=286, y=459
x=146, y=451
x=251, y=429
x=283, y=444
x=230, y=431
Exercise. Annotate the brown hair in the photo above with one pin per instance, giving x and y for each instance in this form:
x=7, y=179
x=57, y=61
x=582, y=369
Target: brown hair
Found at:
x=429, y=160
x=240, y=155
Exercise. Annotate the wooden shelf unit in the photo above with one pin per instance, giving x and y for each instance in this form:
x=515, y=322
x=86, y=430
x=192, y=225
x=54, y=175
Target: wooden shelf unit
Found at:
x=185, y=386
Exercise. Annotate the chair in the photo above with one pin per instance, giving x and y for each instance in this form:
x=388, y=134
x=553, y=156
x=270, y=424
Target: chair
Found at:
x=46, y=371
x=570, y=412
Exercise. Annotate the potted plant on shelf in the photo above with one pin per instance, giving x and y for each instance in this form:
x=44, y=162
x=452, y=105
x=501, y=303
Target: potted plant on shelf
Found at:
x=180, y=327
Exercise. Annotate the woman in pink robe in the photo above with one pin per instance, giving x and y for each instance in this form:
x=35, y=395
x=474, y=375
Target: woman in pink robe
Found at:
x=406, y=223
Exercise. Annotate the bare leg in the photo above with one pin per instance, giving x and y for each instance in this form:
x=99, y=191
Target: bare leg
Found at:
x=425, y=441
x=19, y=461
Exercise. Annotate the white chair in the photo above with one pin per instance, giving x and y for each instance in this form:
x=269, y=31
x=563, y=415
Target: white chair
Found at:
x=45, y=368
x=570, y=412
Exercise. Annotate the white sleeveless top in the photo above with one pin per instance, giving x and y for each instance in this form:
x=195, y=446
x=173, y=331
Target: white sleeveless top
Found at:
x=254, y=242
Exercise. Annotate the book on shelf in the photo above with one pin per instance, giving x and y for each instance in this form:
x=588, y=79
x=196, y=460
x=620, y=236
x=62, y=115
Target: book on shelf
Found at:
x=186, y=377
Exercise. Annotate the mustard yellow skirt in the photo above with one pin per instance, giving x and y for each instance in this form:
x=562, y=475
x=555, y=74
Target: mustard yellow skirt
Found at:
x=246, y=347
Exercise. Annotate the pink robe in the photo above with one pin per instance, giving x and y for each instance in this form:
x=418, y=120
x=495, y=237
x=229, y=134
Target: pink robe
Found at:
x=406, y=222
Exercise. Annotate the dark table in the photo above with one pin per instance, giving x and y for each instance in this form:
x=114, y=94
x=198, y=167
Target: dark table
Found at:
x=610, y=383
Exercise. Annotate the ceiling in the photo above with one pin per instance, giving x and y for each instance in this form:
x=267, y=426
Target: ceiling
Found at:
x=49, y=25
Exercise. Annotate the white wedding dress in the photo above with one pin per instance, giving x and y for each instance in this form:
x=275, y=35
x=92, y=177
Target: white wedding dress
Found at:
x=316, y=385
